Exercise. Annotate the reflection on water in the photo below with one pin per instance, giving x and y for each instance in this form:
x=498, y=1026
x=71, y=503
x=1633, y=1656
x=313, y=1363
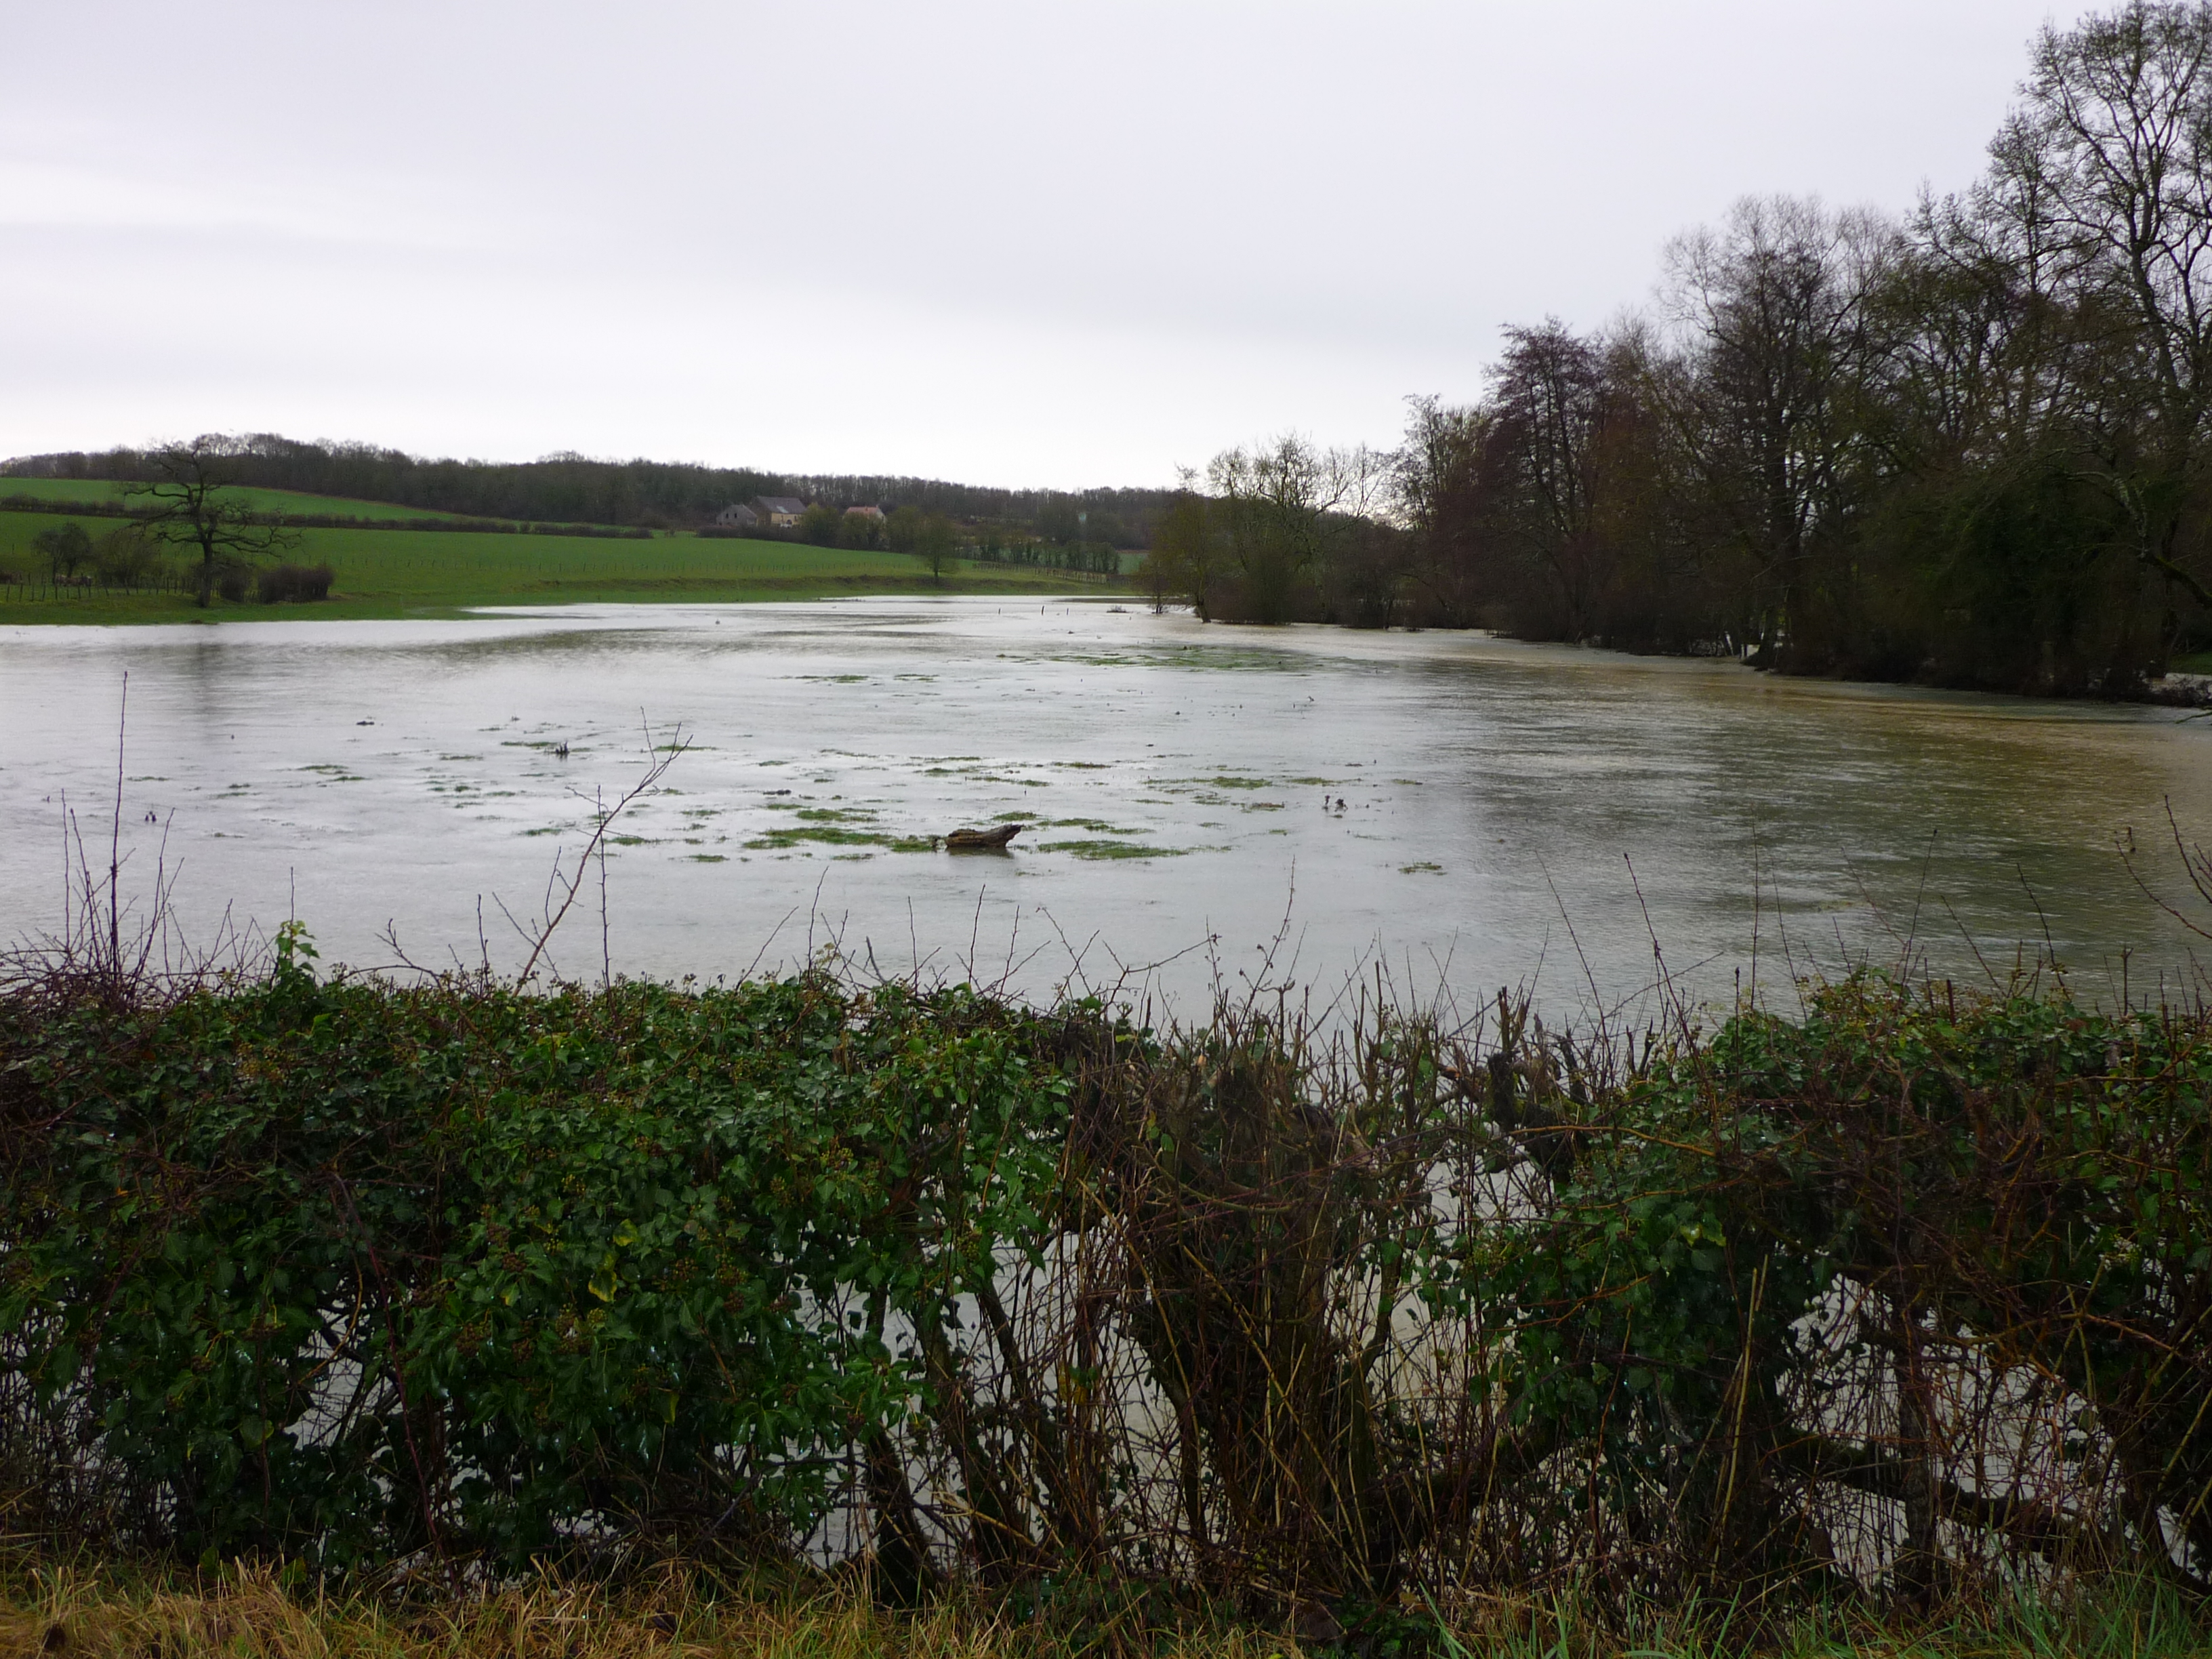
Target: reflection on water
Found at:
x=1472, y=812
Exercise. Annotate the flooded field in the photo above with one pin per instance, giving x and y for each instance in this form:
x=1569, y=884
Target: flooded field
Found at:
x=1467, y=812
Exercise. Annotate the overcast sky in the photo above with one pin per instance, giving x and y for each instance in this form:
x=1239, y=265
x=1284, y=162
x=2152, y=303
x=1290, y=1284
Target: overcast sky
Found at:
x=1035, y=243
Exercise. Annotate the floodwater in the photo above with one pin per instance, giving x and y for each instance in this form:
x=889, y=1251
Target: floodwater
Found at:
x=1201, y=803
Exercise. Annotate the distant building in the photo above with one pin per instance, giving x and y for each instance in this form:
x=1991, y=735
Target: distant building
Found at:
x=875, y=513
x=779, y=511
x=738, y=516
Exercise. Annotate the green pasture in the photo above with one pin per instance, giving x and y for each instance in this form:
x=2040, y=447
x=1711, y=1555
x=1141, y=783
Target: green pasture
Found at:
x=260, y=501
x=390, y=572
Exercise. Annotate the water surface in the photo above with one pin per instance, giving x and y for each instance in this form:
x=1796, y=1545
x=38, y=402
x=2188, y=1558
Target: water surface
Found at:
x=1465, y=811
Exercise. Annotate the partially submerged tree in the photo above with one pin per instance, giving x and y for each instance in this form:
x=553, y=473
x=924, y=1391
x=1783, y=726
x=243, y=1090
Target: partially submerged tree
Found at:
x=190, y=502
x=1181, y=563
x=1283, y=508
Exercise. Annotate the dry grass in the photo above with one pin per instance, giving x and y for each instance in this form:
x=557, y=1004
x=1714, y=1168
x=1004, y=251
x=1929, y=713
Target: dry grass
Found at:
x=251, y=1614
x=56, y=1612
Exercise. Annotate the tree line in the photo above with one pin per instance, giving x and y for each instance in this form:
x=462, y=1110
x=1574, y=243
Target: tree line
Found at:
x=1965, y=445
x=575, y=489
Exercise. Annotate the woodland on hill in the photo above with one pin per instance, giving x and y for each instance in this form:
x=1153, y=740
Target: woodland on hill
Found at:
x=574, y=489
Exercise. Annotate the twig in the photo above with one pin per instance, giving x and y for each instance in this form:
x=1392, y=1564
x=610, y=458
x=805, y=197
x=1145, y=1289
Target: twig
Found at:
x=657, y=762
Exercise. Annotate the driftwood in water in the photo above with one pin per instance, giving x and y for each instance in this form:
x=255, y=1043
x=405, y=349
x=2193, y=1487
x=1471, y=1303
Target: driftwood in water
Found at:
x=972, y=840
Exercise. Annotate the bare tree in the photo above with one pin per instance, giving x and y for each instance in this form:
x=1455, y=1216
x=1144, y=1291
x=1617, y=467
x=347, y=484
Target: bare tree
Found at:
x=1776, y=349
x=194, y=505
x=1550, y=405
x=1437, y=496
x=2110, y=158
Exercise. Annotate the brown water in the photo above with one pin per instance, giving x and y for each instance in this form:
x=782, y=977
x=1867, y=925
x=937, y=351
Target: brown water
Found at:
x=1510, y=813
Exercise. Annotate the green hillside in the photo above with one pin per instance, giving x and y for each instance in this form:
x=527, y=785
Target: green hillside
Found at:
x=388, y=573
x=261, y=500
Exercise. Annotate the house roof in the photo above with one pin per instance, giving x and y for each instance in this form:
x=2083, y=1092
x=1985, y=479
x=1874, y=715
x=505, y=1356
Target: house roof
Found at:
x=781, y=504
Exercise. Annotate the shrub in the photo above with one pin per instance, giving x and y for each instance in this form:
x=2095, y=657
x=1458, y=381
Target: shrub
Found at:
x=64, y=547
x=474, y=1270
x=820, y=523
x=126, y=556
x=1914, y=1290
x=295, y=583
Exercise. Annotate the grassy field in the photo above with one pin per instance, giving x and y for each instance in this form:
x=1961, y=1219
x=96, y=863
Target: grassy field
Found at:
x=384, y=573
x=261, y=500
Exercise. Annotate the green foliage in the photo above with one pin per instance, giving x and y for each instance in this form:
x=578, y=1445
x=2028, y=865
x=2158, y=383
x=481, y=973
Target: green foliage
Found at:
x=819, y=526
x=1762, y=1236
x=347, y=1269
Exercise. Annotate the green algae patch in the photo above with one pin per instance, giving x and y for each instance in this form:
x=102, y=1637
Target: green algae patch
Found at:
x=783, y=838
x=1103, y=847
x=831, y=834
